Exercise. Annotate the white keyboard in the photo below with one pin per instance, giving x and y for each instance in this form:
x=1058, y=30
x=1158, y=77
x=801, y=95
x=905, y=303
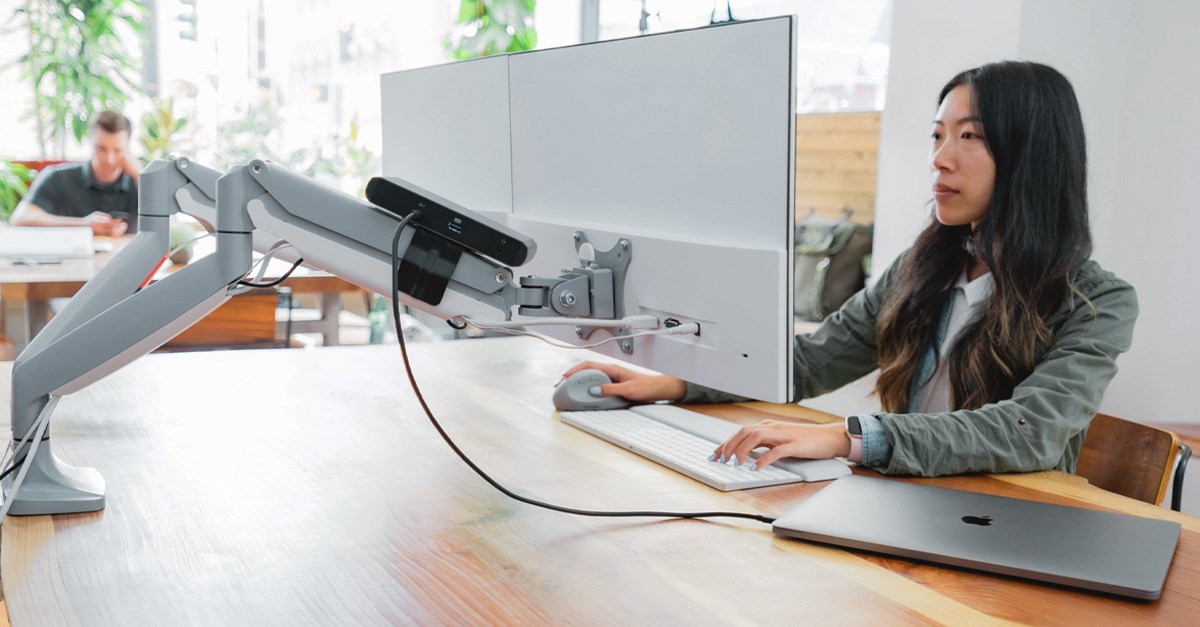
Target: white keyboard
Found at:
x=682, y=440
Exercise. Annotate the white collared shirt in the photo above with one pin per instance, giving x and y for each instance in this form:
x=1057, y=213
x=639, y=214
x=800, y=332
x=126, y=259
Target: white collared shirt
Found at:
x=967, y=301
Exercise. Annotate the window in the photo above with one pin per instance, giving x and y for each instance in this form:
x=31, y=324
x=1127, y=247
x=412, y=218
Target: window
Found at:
x=842, y=45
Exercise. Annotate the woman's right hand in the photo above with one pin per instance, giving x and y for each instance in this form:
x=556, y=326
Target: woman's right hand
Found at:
x=635, y=386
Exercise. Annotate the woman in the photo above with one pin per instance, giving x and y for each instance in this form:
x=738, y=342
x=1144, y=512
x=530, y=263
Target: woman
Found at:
x=994, y=335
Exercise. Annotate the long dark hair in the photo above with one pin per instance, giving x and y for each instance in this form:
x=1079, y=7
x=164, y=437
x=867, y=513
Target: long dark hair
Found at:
x=1034, y=234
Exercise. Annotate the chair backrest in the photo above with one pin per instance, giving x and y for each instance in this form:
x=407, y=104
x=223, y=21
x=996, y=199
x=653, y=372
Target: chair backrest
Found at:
x=39, y=165
x=1129, y=458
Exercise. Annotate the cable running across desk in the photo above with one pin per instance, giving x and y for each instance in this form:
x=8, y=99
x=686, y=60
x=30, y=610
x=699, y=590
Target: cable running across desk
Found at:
x=479, y=471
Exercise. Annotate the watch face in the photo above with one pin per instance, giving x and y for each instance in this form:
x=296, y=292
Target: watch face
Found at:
x=853, y=426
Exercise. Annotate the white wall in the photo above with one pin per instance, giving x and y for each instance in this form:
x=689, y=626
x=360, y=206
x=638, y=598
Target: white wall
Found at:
x=1153, y=223
x=932, y=41
x=1136, y=70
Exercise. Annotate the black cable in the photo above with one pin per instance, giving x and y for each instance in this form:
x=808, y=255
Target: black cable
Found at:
x=15, y=465
x=454, y=447
x=276, y=281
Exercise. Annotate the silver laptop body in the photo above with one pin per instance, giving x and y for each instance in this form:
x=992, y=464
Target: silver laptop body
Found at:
x=1103, y=551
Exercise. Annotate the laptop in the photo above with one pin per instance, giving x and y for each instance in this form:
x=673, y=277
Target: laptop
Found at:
x=1101, y=551
x=46, y=243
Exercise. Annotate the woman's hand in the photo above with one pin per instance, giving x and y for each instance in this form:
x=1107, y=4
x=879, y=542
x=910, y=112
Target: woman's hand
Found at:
x=635, y=386
x=785, y=439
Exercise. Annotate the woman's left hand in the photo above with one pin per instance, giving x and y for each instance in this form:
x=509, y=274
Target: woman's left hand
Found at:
x=786, y=439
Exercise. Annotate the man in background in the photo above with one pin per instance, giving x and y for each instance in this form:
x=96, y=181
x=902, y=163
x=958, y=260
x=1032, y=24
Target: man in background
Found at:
x=101, y=193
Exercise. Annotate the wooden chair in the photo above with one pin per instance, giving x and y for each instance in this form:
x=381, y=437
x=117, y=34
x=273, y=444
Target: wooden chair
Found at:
x=1133, y=459
x=40, y=165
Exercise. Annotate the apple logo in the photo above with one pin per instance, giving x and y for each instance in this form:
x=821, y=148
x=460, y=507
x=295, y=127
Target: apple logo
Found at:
x=982, y=521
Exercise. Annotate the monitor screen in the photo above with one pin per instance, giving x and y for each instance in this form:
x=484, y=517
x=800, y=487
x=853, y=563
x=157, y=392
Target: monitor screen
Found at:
x=681, y=143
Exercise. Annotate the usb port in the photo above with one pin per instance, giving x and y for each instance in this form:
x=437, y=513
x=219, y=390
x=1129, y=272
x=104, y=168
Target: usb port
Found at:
x=455, y=226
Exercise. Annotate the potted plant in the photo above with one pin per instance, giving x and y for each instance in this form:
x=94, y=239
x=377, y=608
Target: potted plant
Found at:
x=180, y=237
x=160, y=130
x=14, y=181
x=78, y=62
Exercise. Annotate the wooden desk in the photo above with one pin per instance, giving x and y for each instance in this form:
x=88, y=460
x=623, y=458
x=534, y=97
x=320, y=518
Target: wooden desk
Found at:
x=306, y=487
x=26, y=291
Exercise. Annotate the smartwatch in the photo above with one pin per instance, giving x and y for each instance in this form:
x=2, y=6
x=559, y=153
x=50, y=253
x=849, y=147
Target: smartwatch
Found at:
x=854, y=432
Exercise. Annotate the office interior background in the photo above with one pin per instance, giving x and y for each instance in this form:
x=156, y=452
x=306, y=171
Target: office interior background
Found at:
x=297, y=81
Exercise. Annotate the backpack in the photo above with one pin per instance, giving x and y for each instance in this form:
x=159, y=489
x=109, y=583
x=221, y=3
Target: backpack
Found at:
x=832, y=256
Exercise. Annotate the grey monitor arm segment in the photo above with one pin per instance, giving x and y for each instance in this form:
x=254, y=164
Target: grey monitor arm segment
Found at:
x=110, y=322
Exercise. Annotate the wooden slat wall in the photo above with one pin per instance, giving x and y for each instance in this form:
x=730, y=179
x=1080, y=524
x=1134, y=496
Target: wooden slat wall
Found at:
x=836, y=164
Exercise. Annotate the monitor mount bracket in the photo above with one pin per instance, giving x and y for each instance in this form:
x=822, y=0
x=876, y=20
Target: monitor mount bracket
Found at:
x=595, y=288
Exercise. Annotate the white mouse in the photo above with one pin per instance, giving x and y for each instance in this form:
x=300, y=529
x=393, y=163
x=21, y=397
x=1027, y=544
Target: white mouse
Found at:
x=575, y=393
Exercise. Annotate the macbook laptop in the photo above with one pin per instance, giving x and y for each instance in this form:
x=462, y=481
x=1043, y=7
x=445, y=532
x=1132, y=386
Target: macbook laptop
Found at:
x=1103, y=551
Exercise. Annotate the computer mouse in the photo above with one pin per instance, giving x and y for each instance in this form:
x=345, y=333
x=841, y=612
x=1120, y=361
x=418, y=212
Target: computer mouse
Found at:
x=575, y=393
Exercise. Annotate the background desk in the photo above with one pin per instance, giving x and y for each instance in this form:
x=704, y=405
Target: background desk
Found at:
x=26, y=291
x=306, y=487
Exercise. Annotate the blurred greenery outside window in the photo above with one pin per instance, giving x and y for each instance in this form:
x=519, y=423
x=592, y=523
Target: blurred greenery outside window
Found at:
x=14, y=180
x=297, y=81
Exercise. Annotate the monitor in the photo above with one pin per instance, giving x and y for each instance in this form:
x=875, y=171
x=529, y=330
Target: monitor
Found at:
x=446, y=128
x=682, y=143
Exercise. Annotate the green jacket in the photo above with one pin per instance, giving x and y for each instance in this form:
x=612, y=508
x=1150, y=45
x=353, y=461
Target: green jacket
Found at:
x=1042, y=426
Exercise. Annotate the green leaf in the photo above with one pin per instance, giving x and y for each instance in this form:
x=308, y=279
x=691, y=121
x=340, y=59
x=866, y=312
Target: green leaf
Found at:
x=523, y=40
x=468, y=11
x=492, y=19
x=78, y=62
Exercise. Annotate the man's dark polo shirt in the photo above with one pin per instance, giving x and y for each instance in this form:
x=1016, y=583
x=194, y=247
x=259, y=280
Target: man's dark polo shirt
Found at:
x=68, y=189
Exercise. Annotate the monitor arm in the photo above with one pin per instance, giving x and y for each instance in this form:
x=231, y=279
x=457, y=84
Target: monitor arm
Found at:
x=261, y=206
